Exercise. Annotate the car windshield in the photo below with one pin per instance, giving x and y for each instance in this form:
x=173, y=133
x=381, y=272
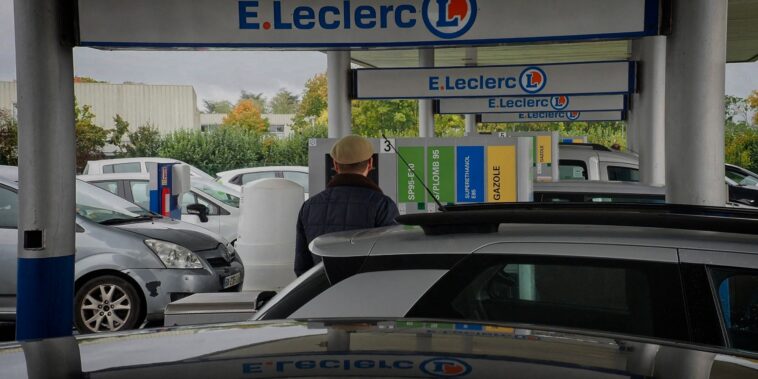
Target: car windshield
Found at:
x=218, y=192
x=201, y=174
x=742, y=178
x=101, y=206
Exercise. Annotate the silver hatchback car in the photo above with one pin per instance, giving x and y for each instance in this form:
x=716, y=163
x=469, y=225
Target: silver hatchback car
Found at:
x=130, y=263
x=663, y=271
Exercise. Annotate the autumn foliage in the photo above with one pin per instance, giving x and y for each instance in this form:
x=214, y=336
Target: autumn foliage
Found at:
x=752, y=102
x=246, y=115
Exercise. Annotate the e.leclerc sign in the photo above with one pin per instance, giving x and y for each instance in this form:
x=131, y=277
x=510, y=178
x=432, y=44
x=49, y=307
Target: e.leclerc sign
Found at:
x=615, y=77
x=303, y=24
x=553, y=116
x=531, y=104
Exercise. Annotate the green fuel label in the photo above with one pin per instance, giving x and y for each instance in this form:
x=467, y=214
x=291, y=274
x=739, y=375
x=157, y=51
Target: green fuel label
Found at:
x=441, y=172
x=409, y=188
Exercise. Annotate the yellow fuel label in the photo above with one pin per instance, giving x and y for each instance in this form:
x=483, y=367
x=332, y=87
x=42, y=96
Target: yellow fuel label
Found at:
x=501, y=174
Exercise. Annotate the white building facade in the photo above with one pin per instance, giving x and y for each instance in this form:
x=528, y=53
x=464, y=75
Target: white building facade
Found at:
x=280, y=125
x=168, y=108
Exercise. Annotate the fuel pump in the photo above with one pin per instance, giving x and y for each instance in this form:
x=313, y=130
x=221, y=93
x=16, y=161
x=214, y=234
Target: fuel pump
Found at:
x=168, y=181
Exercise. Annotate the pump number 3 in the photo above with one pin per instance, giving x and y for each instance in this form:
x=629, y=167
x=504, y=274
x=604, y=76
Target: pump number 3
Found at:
x=387, y=146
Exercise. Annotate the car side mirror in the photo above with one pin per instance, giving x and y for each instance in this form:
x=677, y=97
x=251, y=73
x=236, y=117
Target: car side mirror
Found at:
x=199, y=210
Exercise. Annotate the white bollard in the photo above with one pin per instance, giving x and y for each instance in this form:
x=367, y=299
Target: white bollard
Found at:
x=267, y=229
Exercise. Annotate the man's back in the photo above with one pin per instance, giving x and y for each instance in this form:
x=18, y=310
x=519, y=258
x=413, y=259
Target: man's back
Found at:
x=350, y=202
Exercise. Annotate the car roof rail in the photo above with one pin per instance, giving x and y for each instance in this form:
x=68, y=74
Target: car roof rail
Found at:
x=594, y=146
x=487, y=218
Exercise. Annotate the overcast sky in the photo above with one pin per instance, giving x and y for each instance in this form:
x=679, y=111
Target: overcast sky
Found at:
x=221, y=75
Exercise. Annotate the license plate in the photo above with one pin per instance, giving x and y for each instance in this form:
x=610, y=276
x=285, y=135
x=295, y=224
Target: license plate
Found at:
x=232, y=280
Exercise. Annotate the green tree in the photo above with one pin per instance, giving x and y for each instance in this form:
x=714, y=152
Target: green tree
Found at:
x=86, y=79
x=222, y=106
x=117, y=134
x=284, y=102
x=603, y=133
x=90, y=138
x=398, y=118
x=449, y=125
x=214, y=151
x=258, y=99
x=144, y=142
x=246, y=115
x=8, y=139
x=313, y=102
x=741, y=145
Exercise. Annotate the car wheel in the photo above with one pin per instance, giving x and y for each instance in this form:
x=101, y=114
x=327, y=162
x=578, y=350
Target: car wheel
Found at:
x=107, y=304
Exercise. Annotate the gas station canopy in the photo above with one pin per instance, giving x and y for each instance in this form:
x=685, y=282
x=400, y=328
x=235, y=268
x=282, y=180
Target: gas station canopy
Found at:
x=742, y=46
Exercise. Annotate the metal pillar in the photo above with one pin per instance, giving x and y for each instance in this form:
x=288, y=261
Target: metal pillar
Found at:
x=64, y=351
x=470, y=120
x=44, y=70
x=425, y=110
x=337, y=76
x=472, y=56
x=524, y=167
x=696, y=60
x=650, y=109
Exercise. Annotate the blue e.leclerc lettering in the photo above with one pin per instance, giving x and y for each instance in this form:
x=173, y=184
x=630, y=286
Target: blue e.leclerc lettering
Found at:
x=480, y=82
x=291, y=366
x=328, y=17
x=539, y=115
x=518, y=103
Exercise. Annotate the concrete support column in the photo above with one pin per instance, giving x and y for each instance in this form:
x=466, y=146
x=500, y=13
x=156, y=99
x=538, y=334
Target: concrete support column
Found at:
x=337, y=77
x=632, y=127
x=470, y=120
x=47, y=192
x=425, y=110
x=650, y=109
x=472, y=56
x=696, y=61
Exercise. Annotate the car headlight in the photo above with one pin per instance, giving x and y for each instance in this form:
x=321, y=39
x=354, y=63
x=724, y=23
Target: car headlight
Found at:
x=173, y=255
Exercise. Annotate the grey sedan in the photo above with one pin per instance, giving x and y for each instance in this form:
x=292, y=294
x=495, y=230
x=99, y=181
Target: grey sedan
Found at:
x=130, y=263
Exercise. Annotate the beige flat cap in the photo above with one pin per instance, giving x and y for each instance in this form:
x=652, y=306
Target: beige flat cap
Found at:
x=352, y=149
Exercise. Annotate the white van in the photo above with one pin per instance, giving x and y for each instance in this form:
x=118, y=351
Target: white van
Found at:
x=222, y=202
x=135, y=165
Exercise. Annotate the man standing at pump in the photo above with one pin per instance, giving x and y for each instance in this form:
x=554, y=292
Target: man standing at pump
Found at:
x=350, y=201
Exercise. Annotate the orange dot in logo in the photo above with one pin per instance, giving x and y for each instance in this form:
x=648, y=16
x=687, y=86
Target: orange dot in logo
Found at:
x=442, y=88
x=267, y=25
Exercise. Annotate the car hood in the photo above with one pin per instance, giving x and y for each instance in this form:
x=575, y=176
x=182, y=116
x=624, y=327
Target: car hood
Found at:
x=190, y=236
x=401, y=348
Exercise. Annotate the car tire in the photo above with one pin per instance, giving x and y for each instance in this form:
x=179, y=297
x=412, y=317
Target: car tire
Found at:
x=107, y=304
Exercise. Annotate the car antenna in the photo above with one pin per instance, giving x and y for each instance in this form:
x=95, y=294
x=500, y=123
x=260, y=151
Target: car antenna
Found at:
x=439, y=205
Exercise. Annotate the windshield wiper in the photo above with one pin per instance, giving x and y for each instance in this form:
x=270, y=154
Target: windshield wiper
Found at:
x=116, y=221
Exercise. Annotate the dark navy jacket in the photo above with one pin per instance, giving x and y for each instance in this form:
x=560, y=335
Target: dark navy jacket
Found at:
x=349, y=202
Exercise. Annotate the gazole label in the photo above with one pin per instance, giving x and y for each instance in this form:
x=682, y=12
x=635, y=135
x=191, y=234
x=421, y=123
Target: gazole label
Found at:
x=553, y=80
x=552, y=116
x=531, y=104
x=409, y=188
x=501, y=174
x=308, y=24
x=543, y=150
x=441, y=172
x=470, y=174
